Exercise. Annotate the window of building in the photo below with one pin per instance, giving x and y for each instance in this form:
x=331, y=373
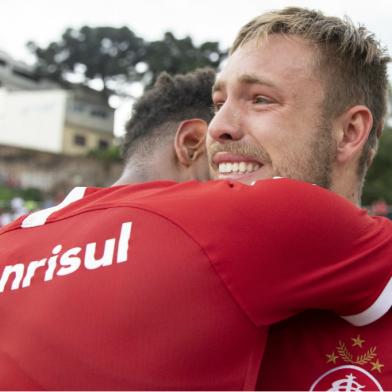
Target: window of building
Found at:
x=99, y=113
x=78, y=107
x=79, y=140
x=103, y=144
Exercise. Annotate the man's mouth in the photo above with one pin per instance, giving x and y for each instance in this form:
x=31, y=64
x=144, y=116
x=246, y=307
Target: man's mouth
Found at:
x=228, y=164
x=238, y=167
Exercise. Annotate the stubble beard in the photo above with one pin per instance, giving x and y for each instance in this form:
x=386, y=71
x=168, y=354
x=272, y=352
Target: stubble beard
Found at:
x=314, y=164
x=324, y=153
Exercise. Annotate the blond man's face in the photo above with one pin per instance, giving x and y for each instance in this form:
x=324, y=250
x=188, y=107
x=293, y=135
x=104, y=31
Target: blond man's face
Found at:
x=268, y=118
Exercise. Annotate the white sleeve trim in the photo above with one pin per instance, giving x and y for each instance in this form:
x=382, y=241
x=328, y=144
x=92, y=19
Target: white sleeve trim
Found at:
x=381, y=306
x=39, y=218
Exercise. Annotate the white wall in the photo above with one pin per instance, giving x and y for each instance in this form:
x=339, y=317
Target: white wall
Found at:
x=33, y=119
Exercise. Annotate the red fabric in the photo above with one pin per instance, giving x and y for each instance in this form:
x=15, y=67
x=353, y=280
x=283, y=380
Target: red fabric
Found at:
x=209, y=266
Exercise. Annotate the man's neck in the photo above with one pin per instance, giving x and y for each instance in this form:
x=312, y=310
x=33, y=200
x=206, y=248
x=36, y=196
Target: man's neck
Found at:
x=352, y=194
x=131, y=176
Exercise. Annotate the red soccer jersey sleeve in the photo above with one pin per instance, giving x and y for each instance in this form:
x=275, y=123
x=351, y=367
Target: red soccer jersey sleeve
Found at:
x=282, y=246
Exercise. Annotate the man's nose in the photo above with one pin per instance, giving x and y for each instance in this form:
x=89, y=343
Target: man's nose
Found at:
x=226, y=125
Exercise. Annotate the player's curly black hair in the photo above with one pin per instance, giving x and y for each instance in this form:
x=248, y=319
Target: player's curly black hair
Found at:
x=171, y=100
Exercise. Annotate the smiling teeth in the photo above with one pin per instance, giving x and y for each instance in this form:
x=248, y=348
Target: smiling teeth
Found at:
x=238, y=167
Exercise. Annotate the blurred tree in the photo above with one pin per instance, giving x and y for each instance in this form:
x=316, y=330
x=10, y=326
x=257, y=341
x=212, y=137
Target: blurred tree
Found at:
x=179, y=56
x=91, y=53
x=7, y=193
x=379, y=179
x=111, y=154
x=116, y=57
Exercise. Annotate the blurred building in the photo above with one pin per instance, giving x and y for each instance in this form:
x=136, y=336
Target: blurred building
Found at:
x=16, y=75
x=70, y=122
x=44, y=126
x=40, y=115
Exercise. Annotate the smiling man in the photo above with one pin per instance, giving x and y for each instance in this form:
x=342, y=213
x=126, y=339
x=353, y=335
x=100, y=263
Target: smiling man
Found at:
x=269, y=121
x=173, y=286
x=304, y=96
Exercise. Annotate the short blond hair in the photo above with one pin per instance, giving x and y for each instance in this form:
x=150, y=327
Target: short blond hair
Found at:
x=351, y=62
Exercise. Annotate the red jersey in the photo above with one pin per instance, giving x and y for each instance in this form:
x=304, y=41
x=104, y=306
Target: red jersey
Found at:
x=173, y=286
x=318, y=351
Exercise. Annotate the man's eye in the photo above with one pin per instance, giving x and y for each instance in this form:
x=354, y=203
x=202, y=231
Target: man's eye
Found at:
x=260, y=99
x=216, y=106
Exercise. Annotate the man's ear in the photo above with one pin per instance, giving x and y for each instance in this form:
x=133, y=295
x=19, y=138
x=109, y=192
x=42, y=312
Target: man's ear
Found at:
x=189, y=142
x=354, y=126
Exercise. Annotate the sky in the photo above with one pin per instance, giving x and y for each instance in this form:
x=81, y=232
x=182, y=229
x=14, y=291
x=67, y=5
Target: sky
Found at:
x=44, y=21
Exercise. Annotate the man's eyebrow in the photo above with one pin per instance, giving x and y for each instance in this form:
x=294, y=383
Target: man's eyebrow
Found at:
x=253, y=79
x=244, y=79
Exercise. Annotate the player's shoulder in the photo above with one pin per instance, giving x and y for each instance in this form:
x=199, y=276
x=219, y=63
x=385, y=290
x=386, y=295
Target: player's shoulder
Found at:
x=81, y=200
x=190, y=199
x=276, y=195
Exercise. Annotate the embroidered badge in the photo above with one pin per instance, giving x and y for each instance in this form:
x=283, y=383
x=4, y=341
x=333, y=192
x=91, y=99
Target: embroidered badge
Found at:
x=357, y=368
x=366, y=357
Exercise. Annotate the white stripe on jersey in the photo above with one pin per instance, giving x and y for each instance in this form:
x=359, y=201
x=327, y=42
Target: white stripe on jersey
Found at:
x=39, y=218
x=379, y=307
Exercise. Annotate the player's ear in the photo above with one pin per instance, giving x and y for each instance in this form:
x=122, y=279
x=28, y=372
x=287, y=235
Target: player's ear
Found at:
x=354, y=126
x=189, y=142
